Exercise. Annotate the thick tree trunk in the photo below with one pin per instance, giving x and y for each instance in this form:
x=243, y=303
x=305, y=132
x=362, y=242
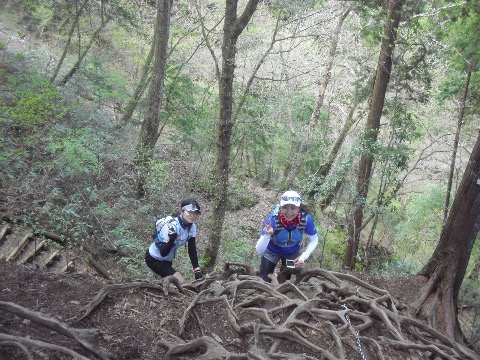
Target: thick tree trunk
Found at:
x=150, y=126
x=451, y=173
x=384, y=68
x=232, y=29
x=446, y=269
x=314, y=119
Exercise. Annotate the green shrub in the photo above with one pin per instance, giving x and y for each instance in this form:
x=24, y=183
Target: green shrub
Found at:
x=76, y=152
x=419, y=232
x=332, y=250
x=32, y=101
x=157, y=178
x=238, y=197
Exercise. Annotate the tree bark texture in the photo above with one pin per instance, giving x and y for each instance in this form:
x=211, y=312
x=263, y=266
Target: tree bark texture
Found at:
x=382, y=78
x=461, y=114
x=149, y=130
x=448, y=264
x=232, y=29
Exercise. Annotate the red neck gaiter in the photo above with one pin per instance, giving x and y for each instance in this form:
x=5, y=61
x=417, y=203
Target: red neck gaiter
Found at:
x=286, y=223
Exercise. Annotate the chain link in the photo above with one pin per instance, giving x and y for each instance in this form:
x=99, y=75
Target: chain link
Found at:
x=357, y=334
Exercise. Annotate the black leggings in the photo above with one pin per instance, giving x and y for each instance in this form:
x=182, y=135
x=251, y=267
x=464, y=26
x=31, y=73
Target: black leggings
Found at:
x=162, y=268
x=267, y=267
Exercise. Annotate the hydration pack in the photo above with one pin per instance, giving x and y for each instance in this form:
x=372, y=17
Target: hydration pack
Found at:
x=159, y=225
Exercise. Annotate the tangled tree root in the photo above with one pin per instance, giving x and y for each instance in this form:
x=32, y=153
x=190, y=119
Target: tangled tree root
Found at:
x=321, y=314
x=233, y=314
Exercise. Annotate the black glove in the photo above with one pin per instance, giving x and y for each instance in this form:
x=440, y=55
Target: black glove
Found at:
x=198, y=273
x=172, y=234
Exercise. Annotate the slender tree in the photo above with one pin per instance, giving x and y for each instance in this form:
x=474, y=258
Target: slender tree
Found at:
x=384, y=67
x=314, y=119
x=149, y=131
x=139, y=88
x=81, y=57
x=447, y=266
x=78, y=13
x=233, y=26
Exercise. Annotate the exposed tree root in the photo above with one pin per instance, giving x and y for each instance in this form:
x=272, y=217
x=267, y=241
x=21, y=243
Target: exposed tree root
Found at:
x=109, y=288
x=84, y=337
x=17, y=344
x=214, y=350
x=330, y=324
x=319, y=315
x=21, y=341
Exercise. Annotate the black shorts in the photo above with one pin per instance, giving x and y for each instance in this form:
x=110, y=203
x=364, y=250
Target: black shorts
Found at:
x=162, y=268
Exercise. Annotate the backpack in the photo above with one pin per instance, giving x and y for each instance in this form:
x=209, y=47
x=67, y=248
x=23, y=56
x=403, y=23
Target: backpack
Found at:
x=159, y=225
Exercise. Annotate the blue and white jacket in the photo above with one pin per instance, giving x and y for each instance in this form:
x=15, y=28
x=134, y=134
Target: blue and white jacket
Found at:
x=184, y=233
x=287, y=241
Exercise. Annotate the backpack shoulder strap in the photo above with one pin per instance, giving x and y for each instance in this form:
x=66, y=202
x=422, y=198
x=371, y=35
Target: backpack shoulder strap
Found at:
x=303, y=221
x=277, y=224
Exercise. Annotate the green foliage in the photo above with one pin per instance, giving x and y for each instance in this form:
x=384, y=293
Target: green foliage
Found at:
x=239, y=245
x=238, y=198
x=41, y=16
x=157, y=177
x=333, y=248
x=372, y=16
x=192, y=117
x=397, y=267
x=76, y=152
x=106, y=82
x=32, y=101
x=418, y=233
x=64, y=217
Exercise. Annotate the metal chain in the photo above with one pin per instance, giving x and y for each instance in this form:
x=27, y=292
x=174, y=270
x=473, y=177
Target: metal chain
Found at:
x=357, y=335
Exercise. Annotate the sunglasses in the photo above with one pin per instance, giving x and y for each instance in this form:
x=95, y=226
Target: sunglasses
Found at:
x=291, y=198
x=191, y=208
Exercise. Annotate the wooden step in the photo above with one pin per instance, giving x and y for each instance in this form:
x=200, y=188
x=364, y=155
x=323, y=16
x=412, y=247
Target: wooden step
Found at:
x=20, y=245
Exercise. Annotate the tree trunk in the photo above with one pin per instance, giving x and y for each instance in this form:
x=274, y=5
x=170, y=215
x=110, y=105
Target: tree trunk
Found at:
x=296, y=163
x=370, y=135
x=447, y=266
x=140, y=88
x=455, y=144
x=325, y=168
x=232, y=29
x=76, y=66
x=149, y=131
x=69, y=40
